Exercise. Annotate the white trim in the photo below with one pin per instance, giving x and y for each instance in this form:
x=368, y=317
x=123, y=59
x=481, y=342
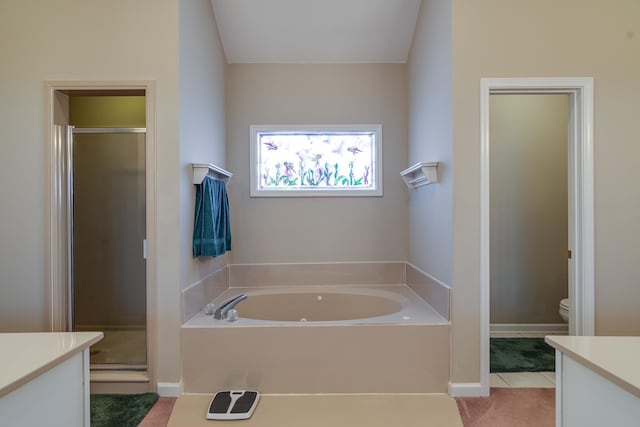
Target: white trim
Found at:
x=201, y=170
x=531, y=330
x=86, y=386
x=558, y=388
x=169, y=389
x=468, y=390
x=582, y=289
x=420, y=174
x=57, y=222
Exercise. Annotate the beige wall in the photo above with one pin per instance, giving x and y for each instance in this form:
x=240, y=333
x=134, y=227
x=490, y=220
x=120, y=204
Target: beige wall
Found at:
x=77, y=40
x=502, y=38
x=202, y=140
x=202, y=121
x=528, y=203
x=107, y=111
x=430, y=207
x=317, y=229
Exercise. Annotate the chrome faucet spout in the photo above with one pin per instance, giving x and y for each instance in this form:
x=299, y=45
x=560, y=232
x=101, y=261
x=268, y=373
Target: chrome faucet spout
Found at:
x=221, y=313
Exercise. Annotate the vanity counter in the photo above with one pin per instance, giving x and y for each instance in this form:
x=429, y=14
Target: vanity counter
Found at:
x=45, y=377
x=597, y=380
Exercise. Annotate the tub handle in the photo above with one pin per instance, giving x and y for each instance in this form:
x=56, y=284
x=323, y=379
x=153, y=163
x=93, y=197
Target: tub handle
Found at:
x=222, y=312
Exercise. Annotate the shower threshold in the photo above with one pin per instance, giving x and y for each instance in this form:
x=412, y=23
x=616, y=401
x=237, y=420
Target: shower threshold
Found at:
x=121, y=381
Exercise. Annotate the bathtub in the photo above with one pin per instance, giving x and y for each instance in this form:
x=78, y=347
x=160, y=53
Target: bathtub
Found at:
x=323, y=305
x=319, y=339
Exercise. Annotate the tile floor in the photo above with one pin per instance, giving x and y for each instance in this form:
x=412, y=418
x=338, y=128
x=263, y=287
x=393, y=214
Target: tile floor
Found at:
x=523, y=379
x=121, y=347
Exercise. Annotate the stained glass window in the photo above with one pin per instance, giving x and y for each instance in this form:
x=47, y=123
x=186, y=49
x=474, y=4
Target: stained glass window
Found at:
x=316, y=160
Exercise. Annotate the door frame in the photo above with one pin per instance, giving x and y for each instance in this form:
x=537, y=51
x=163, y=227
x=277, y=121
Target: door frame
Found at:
x=57, y=225
x=581, y=201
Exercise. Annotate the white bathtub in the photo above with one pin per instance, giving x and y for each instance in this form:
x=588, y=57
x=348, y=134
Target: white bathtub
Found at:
x=326, y=339
x=322, y=305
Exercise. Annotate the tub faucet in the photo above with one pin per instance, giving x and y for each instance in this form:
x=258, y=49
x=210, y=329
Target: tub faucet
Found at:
x=221, y=313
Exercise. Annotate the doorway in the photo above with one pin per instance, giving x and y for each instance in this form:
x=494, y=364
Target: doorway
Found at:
x=529, y=234
x=580, y=272
x=101, y=225
x=529, y=212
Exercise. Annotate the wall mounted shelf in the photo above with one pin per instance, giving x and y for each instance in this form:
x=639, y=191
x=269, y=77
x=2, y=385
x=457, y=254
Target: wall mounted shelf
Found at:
x=420, y=174
x=200, y=170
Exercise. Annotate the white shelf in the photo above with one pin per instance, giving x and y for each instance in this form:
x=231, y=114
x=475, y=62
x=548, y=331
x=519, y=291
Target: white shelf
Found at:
x=200, y=170
x=420, y=174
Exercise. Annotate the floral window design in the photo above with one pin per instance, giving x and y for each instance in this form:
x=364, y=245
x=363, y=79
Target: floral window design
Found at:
x=316, y=161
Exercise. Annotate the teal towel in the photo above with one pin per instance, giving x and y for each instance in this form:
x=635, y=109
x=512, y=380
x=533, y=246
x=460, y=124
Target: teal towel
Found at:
x=211, y=229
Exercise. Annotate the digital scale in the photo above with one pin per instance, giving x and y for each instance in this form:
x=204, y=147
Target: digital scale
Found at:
x=233, y=405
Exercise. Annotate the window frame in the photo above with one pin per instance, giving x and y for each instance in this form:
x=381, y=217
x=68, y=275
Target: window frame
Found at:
x=255, y=173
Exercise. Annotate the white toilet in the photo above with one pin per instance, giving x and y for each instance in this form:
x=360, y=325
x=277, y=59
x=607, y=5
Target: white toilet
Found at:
x=564, y=309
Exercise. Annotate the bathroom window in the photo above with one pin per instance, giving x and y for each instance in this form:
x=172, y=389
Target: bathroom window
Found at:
x=293, y=161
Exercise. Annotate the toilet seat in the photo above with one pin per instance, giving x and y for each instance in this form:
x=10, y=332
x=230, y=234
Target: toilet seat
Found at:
x=564, y=309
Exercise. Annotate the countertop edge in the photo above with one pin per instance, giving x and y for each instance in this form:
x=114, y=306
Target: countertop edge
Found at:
x=614, y=378
x=8, y=388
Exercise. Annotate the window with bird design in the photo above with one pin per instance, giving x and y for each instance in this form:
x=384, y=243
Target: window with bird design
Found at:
x=316, y=160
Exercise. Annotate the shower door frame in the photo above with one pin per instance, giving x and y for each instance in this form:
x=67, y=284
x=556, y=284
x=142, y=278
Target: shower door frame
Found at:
x=71, y=306
x=58, y=225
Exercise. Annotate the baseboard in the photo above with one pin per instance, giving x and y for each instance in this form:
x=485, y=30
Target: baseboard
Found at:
x=532, y=330
x=467, y=390
x=169, y=389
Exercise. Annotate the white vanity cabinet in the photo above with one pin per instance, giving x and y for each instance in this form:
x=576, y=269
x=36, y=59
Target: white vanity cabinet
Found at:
x=597, y=381
x=44, y=378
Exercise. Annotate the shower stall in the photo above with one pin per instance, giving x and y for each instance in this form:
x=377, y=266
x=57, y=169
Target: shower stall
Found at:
x=107, y=229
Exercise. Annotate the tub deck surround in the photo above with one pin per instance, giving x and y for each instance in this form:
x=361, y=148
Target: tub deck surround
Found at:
x=199, y=294
x=402, y=351
x=317, y=274
x=430, y=289
x=196, y=296
x=317, y=359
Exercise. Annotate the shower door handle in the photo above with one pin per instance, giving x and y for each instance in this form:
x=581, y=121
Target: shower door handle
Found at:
x=144, y=248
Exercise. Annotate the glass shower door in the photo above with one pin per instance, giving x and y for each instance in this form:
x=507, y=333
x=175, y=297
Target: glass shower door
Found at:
x=109, y=228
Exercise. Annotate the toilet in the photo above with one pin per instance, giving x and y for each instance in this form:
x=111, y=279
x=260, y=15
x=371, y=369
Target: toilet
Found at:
x=564, y=309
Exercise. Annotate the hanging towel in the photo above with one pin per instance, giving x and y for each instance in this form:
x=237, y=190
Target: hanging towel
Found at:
x=211, y=229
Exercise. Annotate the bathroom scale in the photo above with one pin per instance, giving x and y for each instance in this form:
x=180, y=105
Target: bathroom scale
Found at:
x=233, y=405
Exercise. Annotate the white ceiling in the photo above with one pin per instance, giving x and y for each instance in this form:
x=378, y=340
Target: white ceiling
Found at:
x=316, y=31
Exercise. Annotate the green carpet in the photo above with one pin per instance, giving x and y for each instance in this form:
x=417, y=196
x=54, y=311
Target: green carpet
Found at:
x=521, y=355
x=120, y=410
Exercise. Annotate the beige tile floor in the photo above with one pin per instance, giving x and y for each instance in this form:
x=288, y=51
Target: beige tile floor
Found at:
x=375, y=410
x=120, y=346
x=523, y=379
